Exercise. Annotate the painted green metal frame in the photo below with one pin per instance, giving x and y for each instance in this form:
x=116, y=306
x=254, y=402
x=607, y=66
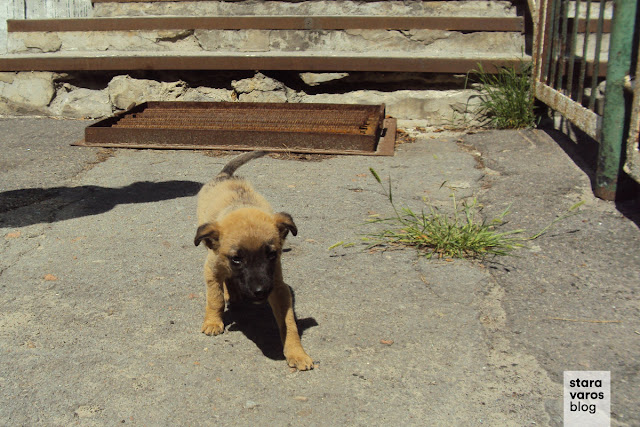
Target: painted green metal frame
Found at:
x=615, y=120
x=632, y=163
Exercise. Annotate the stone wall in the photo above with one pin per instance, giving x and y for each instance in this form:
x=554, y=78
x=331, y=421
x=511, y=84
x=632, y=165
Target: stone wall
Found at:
x=65, y=95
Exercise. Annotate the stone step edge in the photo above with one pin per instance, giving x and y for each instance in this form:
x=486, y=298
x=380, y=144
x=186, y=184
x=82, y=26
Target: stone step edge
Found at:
x=484, y=24
x=493, y=8
x=293, y=61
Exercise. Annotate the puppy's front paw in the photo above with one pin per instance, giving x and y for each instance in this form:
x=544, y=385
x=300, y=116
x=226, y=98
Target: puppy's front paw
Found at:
x=211, y=327
x=299, y=360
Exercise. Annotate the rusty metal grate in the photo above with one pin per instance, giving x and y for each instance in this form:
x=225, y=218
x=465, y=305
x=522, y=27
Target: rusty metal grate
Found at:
x=301, y=128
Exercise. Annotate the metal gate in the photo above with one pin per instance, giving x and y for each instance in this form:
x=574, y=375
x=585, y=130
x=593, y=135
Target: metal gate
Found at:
x=583, y=56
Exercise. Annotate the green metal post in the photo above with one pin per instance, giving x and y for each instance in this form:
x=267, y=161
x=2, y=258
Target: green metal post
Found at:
x=613, y=121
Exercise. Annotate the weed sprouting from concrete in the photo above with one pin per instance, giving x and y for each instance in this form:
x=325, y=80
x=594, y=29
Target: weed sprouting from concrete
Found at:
x=506, y=100
x=459, y=235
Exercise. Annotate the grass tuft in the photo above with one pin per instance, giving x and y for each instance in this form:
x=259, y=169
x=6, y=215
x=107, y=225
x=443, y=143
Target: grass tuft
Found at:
x=436, y=234
x=506, y=100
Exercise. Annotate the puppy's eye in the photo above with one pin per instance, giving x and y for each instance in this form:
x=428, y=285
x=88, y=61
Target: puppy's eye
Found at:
x=272, y=255
x=237, y=260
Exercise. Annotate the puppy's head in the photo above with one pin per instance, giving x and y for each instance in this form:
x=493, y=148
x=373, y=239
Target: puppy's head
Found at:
x=248, y=243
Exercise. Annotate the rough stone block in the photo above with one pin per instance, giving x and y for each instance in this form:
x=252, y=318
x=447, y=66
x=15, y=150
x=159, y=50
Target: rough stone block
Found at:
x=207, y=94
x=28, y=92
x=315, y=79
x=125, y=91
x=258, y=96
x=259, y=82
x=79, y=103
x=438, y=107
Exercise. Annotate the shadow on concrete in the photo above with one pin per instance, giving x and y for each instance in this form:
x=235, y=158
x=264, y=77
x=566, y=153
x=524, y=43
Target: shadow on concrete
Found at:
x=257, y=323
x=29, y=206
x=584, y=153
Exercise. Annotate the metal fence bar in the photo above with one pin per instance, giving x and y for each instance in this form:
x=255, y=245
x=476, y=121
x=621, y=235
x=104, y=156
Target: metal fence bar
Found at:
x=585, y=47
x=542, y=59
x=562, y=41
x=596, y=59
x=555, y=48
x=572, y=49
x=613, y=123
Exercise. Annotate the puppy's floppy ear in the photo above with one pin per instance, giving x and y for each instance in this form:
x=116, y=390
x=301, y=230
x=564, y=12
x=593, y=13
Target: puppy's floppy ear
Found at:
x=208, y=233
x=285, y=224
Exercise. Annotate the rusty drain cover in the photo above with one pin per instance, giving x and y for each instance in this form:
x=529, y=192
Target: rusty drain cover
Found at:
x=299, y=128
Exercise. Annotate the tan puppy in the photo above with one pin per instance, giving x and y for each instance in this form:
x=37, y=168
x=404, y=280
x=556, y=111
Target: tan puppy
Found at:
x=245, y=239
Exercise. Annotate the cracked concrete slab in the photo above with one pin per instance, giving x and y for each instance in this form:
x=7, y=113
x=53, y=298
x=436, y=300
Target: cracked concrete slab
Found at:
x=572, y=301
x=102, y=295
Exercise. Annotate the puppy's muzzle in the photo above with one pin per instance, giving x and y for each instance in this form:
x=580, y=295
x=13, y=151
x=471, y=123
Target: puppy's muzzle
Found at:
x=260, y=294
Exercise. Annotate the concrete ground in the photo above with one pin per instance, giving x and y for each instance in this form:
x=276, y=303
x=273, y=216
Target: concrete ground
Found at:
x=102, y=294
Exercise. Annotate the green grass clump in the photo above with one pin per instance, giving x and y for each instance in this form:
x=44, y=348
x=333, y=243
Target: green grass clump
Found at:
x=506, y=100
x=434, y=234
x=459, y=235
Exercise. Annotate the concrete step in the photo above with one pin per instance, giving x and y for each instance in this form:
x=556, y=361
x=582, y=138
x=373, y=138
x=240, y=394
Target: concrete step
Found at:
x=423, y=42
x=426, y=36
x=272, y=22
x=115, y=8
x=396, y=43
x=320, y=61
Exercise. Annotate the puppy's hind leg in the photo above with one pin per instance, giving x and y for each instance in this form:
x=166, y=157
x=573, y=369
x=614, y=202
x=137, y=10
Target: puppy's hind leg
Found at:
x=282, y=306
x=214, y=309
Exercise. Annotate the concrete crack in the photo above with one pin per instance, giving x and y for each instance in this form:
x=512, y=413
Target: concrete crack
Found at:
x=509, y=366
x=174, y=36
x=425, y=37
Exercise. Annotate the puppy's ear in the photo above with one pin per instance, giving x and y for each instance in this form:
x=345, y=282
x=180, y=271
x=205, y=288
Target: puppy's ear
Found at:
x=285, y=224
x=208, y=233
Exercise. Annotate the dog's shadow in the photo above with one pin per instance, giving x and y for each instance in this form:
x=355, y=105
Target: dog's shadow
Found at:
x=256, y=322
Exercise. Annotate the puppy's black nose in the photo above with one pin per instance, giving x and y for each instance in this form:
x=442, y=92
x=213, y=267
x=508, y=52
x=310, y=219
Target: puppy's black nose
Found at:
x=262, y=292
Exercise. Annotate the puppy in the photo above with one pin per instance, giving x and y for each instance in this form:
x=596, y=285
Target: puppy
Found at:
x=245, y=239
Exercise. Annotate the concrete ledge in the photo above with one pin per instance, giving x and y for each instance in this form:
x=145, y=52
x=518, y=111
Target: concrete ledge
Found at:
x=318, y=61
x=512, y=24
x=494, y=8
x=422, y=43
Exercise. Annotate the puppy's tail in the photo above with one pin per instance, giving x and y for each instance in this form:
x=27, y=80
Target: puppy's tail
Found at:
x=228, y=170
